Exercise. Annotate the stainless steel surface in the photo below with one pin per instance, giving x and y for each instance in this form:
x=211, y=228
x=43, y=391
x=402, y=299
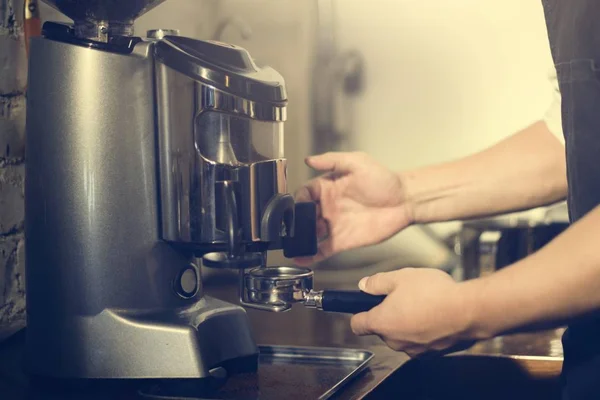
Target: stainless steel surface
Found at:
x=314, y=300
x=275, y=288
x=349, y=362
x=243, y=87
x=310, y=372
x=279, y=288
x=91, y=192
x=161, y=33
x=100, y=283
x=100, y=19
x=147, y=344
x=207, y=135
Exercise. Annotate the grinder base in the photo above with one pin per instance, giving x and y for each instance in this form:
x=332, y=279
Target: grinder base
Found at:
x=201, y=341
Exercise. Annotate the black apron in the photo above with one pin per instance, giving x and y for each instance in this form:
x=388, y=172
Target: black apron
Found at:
x=574, y=33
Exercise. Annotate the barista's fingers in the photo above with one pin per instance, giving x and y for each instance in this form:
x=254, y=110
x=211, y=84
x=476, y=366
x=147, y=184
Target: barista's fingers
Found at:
x=322, y=230
x=414, y=351
x=325, y=249
x=304, y=261
x=332, y=161
x=305, y=193
x=362, y=324
x=378, y=284
x=397, y=345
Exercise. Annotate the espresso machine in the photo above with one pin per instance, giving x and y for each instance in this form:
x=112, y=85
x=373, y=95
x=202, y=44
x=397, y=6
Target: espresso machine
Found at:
x=145, y=154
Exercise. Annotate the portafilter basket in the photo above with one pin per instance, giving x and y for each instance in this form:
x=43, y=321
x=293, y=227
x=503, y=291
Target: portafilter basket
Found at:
x=278, y=288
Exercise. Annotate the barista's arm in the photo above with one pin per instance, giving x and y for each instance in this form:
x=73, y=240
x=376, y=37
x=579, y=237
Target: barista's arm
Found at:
x=549, y=288
x=523, y=171
x=425, y=309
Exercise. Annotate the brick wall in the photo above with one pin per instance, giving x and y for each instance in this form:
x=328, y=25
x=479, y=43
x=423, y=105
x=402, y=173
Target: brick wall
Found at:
x=13, y=76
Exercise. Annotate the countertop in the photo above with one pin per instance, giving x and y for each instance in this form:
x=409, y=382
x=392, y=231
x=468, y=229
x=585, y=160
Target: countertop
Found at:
x=306, y=327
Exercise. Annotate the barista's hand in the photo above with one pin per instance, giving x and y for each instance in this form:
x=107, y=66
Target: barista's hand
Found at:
x=425, y=311
x=359, y=203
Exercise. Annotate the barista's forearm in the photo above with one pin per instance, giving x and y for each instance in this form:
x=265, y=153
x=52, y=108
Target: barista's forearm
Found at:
x=547, y=289
x=523, y=171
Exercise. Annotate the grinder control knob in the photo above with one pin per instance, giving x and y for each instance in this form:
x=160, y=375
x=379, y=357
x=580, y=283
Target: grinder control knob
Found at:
x=186, y=283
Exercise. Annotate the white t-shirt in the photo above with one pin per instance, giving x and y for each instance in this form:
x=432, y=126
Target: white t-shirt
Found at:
x=552, y=118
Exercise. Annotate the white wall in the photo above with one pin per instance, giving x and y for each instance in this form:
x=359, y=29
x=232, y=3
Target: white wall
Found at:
x=443, y=79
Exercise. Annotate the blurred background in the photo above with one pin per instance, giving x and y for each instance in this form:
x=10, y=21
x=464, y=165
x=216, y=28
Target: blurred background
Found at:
x=411, y=82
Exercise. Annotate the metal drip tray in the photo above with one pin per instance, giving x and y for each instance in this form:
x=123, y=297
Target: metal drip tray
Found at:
x=289, y=373
x=316, y=373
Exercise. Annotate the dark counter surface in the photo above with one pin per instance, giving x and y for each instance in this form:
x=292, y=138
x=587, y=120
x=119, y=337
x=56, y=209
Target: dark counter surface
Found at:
x=308, y=327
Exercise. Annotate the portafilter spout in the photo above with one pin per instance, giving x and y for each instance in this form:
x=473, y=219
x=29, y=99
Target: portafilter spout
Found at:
x=100, y=19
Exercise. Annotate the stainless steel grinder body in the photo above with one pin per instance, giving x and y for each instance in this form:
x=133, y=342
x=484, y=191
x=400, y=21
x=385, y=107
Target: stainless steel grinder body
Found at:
x=120, y=197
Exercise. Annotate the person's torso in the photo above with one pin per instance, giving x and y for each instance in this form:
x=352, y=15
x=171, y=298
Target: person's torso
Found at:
x=574, y=33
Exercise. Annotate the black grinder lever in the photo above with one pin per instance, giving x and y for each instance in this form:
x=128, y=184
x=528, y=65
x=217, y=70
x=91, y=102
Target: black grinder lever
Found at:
x=342, y=301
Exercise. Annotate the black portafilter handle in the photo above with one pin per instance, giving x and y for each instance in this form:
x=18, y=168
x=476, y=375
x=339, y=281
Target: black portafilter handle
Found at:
x=342, y=301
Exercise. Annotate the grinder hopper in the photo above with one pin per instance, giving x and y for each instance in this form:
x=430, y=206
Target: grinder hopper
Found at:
x=100, y=19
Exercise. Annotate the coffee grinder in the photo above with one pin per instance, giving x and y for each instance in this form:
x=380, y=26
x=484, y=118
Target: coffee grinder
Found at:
x=143, y=155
